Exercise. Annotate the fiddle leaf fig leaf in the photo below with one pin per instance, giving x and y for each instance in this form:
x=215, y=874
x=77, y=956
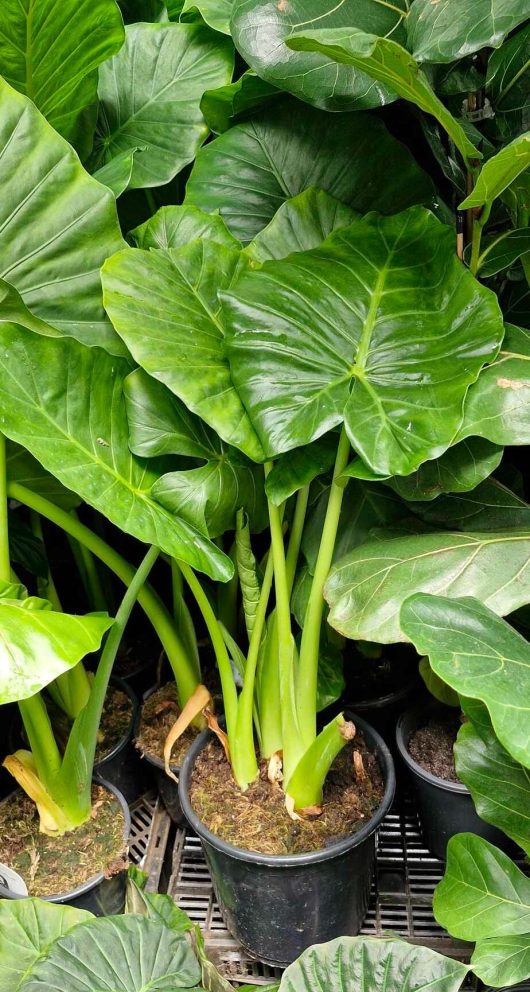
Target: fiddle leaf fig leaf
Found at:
x=119, y=953
x=165, y=306
x=503, y=251
x=28, y=929
x=64, y=403
x=478, y=655
x=436, y=686
x=369, y=962
x=222, y=107
x=508, y=82
x=384, y=60
x=502, y=961
x=37, y=645
x=38, y=59
x=336, y=320
x=300, y=224
x=497, y=406
x=149, y=96
x=482, y=894
x=262, y=33
x=461, y=468
x=58, y=225
x=248, y=172
x=499, y=172
x=173, y=227
x=366, y=589
x=499, y=785
x=450, y=29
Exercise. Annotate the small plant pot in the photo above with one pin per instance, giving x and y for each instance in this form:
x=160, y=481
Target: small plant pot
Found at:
x=122, y=767
x=382, y=712
x=277, y=906
x=445, y=808
x=101, y=895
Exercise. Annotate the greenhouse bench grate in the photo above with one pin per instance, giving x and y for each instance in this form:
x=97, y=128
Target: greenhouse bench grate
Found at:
x=400, y=903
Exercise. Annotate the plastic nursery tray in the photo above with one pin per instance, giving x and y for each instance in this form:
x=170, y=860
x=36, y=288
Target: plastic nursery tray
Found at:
x=401, y=900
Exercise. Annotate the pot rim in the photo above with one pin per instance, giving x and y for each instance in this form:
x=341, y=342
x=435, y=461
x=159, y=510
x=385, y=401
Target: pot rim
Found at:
x=334, y=850
x=94, y=880
x=378, y=702
x=152, y=759
x=129, y=733
x=415, y=712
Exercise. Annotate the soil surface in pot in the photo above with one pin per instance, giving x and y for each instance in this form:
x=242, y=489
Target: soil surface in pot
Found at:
x=431, y=746
x=115, y=721
x=53, y=865
x=370, y=678
x=159, y=713
x=257, y=819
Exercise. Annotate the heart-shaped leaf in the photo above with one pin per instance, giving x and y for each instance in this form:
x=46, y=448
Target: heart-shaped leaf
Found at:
x=366, y=589
x=165, y=306
x=261, y=31
x=499, y=172
x=58, y=225
x=451, y=29
x=222, y=107
x=497, y=406
x=247, y=173
x=499, y=785
x=371, y=963
x=337, y=320
x=149, y=97
x=64, y=403
x=38, y=58
x=482, y=894
x=300, y=224
x=384, y=60
x=478, y=655
x=173, y=227
x=28, y=928
x=119, y=953
x=461, y=468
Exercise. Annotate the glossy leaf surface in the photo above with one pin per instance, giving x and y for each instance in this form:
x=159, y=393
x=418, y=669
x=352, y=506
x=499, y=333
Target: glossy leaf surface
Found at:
x=499, y=172
x=247, y=173
x=497, y=407
x=301, y=224
x=450, y=29
x=117, y=172
x=460, y=469
x=491, y=506
x=216, y=13
x=502, y=960
x=503, y=251
x=299, y=467
x=224, y=106
x=173, y=227
x=508, y=82
x=337, y=320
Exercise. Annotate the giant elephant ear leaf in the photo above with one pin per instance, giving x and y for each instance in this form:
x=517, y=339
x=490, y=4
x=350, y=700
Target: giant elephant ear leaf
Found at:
x=337, y=321
x=384, y=60
x=58, y=225
x=122, y=953
x=38, y=58
x=37, y=645
x=367, y=962
x=499, y=172
x=479, y=655
x=450, y=29
x=248, y=172
x=215, y=13
x=301, y=223
x=28, y=928
x=261, y=31
x=150, y=96
x=64, y=403
x=173, y=227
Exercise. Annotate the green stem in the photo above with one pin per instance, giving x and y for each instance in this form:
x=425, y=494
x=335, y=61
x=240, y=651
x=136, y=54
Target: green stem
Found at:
x=306, y=782
x=5, y=567
x=478, y=227
x=310, y=644
x=295, y=539
x=40, y=738
x=183, y=668
x=151, y=202
x=219, y=646
x=94, y=587
x=183, y=619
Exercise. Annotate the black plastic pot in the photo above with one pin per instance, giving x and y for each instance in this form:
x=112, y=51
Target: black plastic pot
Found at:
x=101, y=895
x=382, y=712
x=123, y=766
x=168, y=790
x=277, y=906
x=445, y=808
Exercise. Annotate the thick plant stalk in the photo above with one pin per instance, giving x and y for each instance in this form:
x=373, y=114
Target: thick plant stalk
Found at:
x=183, y=668
x=305, y=784
x=5, y=565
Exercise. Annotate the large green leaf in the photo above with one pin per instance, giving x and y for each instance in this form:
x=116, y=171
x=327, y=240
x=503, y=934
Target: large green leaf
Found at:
x=49, y=51
x=173, y=227
x=216, y=13
x=247, y=173
x=117, y=172
x=508, y=82
x=499, y=172
x=497, y=407
x=384, y=60
x=502, y=961
x=119, y=954
x=388, y=965
x=64, y=403
x=165, y=306
x=150, y=94
x=222, y=107
x=298, y=468
x=482, y=894
x=337, y=321
x=261, y=30
x=37, y=645
x=366, y=589
x=499, y=785
x=58, y=224
x=491, y=506
x=461, y=468
x=28, y=928
x=450, y=29
x=210, y=495
x=503, y=251
x=23, y=468
x=301, y=223
x=479, y=655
